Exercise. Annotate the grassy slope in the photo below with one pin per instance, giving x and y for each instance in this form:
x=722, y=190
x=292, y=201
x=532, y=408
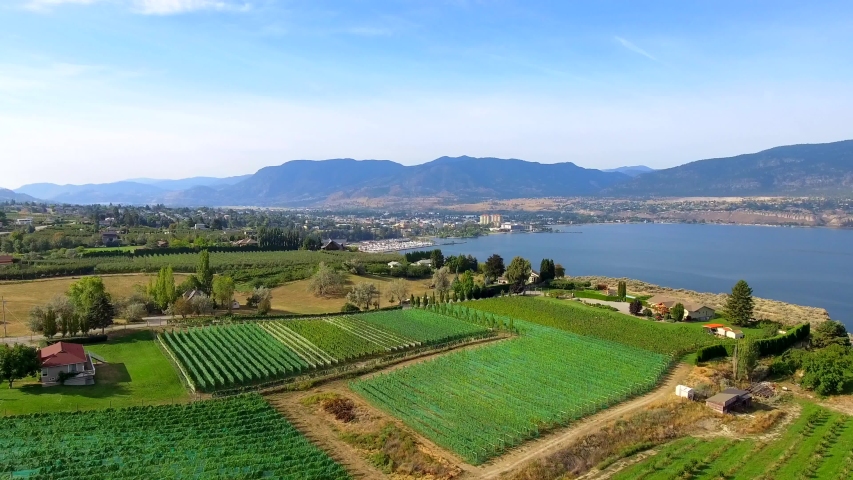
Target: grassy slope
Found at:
x=137, y=372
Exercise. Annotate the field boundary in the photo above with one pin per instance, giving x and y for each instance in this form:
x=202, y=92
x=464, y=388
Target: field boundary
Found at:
x=185, y=379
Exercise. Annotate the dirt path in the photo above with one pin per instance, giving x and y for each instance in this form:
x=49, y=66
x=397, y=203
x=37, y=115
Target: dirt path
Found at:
x=562, y=438
x=321, y=433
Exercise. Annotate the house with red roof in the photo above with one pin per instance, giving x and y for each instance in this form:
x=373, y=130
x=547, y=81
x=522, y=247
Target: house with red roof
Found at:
x=69, y=359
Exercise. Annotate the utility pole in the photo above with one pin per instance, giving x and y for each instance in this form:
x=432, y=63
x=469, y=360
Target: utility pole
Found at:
x=3, y=305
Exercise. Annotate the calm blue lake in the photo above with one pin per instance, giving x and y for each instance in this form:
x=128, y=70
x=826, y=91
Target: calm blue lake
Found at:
x=805, y=266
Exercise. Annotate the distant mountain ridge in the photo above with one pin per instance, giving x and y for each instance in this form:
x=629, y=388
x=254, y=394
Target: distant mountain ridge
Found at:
x=806, y=169
x=135, y=191
x=631, y=171
x=306, y=182
x=6, y=195
x=809, y=169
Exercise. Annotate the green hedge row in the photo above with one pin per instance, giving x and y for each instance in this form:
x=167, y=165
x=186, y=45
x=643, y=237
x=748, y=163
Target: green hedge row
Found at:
x=766, y=346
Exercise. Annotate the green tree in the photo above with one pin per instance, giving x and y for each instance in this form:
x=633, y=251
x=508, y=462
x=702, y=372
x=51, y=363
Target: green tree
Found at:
x=223, y=291
x=494, y=268
x=518, y=271
x=744, y=359
x=559, y=271
x=162, y=289
x=677, y=312
x=829, y=370
x=362, y=295
x=740, y=304
x=204, y=274
x=19, y=361
x=326, y=281
x=622, y=292
x=92, y=304
x=546, y=270
x=437, y=258
x=829, y=333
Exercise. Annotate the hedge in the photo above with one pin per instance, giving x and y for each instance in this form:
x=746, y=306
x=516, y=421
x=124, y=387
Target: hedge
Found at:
x=766, y=346
x=79, y=340
x=144, y=252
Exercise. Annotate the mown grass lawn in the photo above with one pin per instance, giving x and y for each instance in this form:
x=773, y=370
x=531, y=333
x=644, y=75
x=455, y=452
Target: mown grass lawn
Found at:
x=137, y=373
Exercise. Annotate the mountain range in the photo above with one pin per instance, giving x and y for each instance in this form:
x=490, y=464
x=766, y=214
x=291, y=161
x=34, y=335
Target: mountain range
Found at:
x=809, y=169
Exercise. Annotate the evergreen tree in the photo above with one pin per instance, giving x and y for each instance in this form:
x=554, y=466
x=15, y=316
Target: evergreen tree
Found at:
x=739, y=306
x=622, y=290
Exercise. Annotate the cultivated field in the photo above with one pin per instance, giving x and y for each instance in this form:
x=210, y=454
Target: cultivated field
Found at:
x=818, y=445
x=136, y=373
x=480, y=402
x=666, y=338
x=222, y=357
x=241, y=437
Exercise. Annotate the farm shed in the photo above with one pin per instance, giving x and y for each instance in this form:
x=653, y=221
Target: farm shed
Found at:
x=684, y=391
x=728, y=399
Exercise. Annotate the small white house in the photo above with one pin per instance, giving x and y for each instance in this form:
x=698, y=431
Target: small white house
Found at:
x=23, y=221
x=684, y=391
x=729, y=333
x=394, y=264
x=235, y=305
x=425, y=261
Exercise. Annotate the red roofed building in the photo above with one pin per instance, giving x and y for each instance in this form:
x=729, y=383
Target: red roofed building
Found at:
x=69, y=358
x=6, y=260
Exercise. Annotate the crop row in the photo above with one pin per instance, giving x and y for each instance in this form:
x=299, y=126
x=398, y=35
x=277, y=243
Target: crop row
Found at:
x=480, y=402
x=219, y=357
x=666, y=338
x=819, y=444
x=240, y=437
x=424, y=326
x=338, y=343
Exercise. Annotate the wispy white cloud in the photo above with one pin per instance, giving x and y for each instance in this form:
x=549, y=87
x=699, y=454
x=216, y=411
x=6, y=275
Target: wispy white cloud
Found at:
x=147, y=7
x=47, y=5
x=172, y=7
x=634, y=48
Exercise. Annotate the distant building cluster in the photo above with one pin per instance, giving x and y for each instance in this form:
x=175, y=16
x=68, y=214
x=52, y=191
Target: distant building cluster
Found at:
x=490, y=219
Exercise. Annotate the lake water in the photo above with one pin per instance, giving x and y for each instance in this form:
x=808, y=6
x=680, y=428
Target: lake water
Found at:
x=805, y=266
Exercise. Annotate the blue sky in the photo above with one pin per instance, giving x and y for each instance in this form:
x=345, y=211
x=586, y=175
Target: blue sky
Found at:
x=101, y=90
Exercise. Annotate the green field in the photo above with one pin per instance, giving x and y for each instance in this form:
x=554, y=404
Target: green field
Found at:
x=136, y=373
x=423, y=326
x=666, y=338
x=340, y=344
x=245, y=267
x=480, y=402
x=241, y=437
x=224, y=357
x=819, y=444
